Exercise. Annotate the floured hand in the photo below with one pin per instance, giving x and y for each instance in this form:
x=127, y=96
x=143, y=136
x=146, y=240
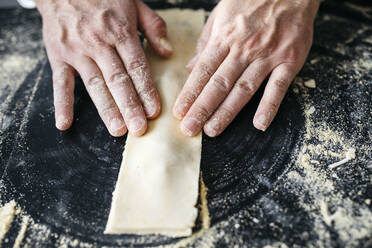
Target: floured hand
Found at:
x=242, y=43
x=99, y=41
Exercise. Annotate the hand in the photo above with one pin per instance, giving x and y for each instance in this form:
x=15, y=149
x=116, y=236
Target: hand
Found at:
x=241, y=43
x=99, y=41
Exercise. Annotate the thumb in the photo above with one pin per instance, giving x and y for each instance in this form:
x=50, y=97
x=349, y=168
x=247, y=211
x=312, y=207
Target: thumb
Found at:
x=154, y=28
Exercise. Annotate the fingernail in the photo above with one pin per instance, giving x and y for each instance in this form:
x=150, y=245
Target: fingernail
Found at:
x=116, y=124
x=179, y=110
x=261, y=122
x=165, y=44
x=136, y=124
x=61, y=122
x=190, y=126
x=212, y=127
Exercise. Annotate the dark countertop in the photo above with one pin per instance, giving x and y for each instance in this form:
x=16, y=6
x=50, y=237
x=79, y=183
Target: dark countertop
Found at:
x=273, y=189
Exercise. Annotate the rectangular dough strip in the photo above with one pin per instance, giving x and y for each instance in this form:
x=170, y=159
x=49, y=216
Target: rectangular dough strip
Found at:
x=157, y=187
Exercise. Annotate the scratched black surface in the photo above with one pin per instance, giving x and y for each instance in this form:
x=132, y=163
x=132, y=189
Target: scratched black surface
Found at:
x=74, y=172
x=65, y=179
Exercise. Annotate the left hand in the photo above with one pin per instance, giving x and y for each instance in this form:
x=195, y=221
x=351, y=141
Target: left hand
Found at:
x=242, y=43
x=98, y=39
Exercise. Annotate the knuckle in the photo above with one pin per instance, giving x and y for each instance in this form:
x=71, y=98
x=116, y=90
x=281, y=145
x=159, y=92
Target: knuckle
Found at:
x=131, y=102
x=272, y=106
x=120, y=29
x=136, y=64
x=205, y=71
x=94, y=81
x=123, y=24
x=139, y=73
x=253, y=44
x=202, y=113
x=107, y=112
x=228, y=30
x=245, y=87
x=62, y=97
x=132, y=111
x=61, y=103
x=123, y=34
x=60, y=81
x=60, y=76
x=188, y=97
x=226, y=113
x=145, y=91
x=128, y=104
x=281, y=84
x=119, y=78
x=158, y=22
x=132, y=106
x=246, y=53
x=121, y=38
x=123, y=30
x=221, y=83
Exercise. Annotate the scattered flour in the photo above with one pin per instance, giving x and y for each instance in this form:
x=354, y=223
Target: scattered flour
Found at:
x=22, y=231
x=328, y=207
x=310, y=83
x=7, y=213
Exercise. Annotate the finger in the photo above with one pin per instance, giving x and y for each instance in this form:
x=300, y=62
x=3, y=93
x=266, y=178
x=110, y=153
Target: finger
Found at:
x=63, y=92
x=209, y=61
x=192, y=62
x=241, y=93
x=154, y=28
x=275, y=90
x=202, y=41
x=214, y=92
x=100, y=96
x=138, y=69
x=122, y=90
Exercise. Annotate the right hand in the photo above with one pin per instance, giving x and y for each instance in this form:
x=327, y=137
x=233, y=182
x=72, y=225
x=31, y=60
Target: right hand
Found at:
x=241, y=44
x=98, y=39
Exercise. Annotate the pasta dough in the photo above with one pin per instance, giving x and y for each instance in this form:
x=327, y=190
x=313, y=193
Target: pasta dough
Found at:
x=157, y=188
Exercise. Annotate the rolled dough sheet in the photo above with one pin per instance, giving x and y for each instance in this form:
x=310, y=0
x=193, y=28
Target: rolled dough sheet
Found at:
x=158, y=182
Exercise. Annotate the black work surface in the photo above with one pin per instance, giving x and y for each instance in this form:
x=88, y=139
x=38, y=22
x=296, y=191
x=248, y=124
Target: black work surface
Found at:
x=264, y=188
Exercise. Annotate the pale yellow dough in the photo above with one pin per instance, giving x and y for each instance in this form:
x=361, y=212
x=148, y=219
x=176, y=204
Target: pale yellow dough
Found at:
x=158, y=183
